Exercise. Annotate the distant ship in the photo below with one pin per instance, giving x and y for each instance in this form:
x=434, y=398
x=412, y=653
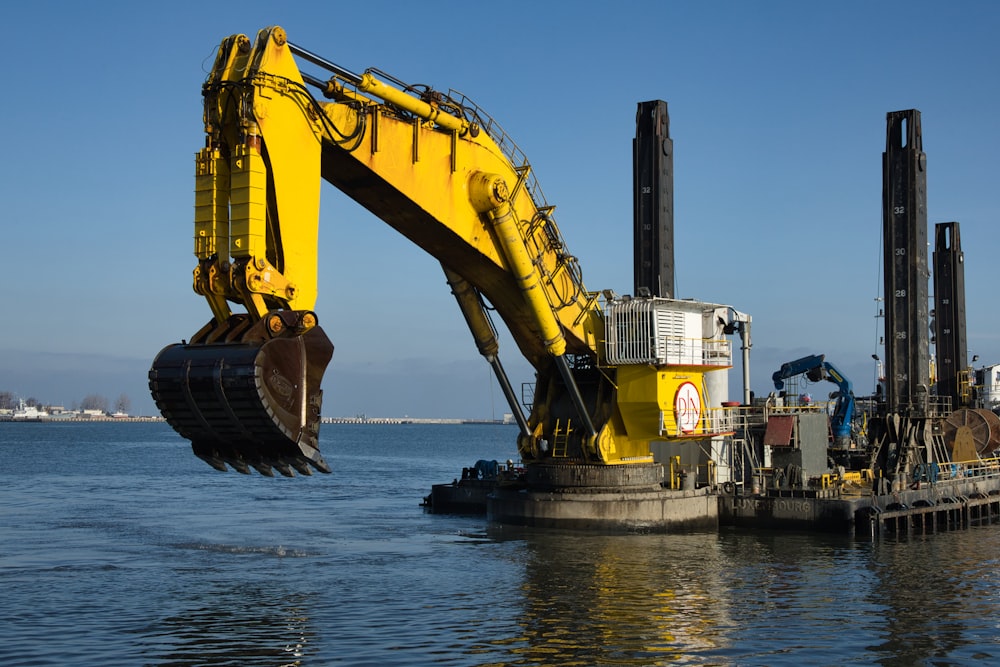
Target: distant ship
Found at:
x=28, y=413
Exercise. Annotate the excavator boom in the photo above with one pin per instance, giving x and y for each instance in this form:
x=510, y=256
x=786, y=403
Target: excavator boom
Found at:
x=438, y=169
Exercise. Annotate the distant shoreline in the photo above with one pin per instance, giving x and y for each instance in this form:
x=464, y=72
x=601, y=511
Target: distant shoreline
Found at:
x=411, y=420
x=325, y=420
x=78, y=420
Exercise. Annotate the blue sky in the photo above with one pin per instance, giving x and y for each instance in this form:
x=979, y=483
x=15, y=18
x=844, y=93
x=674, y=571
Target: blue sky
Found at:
x=777, y=114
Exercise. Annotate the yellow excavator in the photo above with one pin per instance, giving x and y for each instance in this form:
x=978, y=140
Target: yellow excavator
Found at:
x=612, y=373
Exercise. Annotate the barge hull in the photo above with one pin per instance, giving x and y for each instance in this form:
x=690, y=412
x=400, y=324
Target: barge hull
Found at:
x=654, y=511
x=942, y=506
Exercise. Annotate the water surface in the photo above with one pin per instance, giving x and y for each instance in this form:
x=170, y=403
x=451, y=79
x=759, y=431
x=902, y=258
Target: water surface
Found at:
x=119, y=547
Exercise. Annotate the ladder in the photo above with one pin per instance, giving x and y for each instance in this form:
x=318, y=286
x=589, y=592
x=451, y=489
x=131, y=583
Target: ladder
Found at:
x=939, y=450
x=560, y=440
x=744, y=459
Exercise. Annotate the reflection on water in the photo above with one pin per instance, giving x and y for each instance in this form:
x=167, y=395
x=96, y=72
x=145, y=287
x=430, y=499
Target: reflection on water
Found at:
x=125, y=550
x=758, y=599
x=224, y=626
x=624, y=599
x=940, y=598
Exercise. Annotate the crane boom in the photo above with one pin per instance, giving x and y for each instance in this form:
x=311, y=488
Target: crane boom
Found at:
x=816, y=368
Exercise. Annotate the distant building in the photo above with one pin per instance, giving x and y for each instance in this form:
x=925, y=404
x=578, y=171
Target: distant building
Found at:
x=988, y=384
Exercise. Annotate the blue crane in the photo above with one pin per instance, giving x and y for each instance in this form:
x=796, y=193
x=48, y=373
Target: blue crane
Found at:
x=816, y=368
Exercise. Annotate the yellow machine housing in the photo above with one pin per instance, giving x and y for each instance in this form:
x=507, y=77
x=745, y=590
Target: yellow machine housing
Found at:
x=444, y=174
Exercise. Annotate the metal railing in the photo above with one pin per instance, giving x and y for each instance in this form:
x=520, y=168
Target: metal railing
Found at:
x=958, y=470
x=672, y=351
x=711, y=422
x=698, y=351
x=475, y=114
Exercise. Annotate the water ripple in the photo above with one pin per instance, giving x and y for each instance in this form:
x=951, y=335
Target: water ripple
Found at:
x=168, y=563
x=277, y=551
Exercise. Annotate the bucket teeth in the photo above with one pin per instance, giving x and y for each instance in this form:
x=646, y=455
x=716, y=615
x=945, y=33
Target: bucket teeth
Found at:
x=239, y=465
x=209, y=456
x=312, y=455
x=253, y=402
x=263, y=468
x=283, y=468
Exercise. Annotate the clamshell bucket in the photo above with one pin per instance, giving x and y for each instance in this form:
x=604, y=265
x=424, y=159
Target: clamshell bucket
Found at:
x=248, y=394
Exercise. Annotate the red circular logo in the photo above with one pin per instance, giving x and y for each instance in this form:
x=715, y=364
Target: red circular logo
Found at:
x=687, y=407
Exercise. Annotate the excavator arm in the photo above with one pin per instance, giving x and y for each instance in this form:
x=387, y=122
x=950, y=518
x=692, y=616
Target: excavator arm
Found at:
x=246, y=388
x=439, y=170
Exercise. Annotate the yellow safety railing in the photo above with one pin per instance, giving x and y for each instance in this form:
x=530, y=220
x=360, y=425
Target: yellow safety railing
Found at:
x=961, y=469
